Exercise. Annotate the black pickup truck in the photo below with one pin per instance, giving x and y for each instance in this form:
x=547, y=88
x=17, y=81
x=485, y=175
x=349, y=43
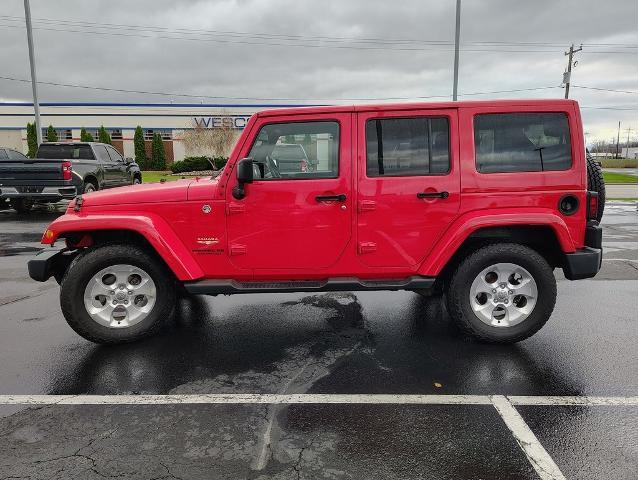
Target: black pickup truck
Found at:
x=62, y=171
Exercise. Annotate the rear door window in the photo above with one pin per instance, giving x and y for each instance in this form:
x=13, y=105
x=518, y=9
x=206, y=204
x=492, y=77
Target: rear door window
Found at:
x=407, y=146
x=102, y=154
x=114, y=154
x=522, y=142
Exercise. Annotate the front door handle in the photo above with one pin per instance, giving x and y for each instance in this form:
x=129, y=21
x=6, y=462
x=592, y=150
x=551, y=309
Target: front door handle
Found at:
x=331, y=198
x=432, y=195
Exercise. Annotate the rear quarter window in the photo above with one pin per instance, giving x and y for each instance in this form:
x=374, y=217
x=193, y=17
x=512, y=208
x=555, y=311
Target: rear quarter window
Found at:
x=522, y=142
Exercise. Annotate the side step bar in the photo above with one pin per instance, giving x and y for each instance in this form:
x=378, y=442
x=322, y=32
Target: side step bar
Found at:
x=228, y=287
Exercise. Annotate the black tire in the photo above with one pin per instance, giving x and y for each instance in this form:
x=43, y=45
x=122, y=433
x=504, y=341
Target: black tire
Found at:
x=596, y=183
x=22, y=205
x=458, y=292
x=87, y=264
x=89, y=187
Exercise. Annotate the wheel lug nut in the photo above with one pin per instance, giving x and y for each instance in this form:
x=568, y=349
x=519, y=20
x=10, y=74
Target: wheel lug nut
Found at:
x=112, y=292
x=130, y=292
x=506, y=301
x=493, y=290
x=114, y=302
x=125, y=302
x=511, y=291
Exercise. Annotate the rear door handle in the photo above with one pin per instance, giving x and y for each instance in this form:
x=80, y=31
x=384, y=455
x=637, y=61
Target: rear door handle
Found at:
x=432, y=195
x=331, y=198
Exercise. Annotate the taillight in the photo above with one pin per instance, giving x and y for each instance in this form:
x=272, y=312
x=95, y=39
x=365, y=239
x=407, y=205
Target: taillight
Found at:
x=66, y=170
x=592, y=205
x=304, y=166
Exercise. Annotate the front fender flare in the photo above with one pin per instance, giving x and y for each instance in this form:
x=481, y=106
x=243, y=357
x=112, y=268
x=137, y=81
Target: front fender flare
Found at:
x=152, y=227
x=469, y=223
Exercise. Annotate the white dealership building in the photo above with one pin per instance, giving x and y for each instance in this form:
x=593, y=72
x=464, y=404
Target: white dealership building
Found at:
x=170, y=120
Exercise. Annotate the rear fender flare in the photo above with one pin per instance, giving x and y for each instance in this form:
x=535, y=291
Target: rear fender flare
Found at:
x=152, y=227
x=469, y=223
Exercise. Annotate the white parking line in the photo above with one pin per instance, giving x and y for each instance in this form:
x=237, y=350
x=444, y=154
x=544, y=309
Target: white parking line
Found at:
x=274, y=398
x=534, y=451
x=231, y=398
x=573, y=401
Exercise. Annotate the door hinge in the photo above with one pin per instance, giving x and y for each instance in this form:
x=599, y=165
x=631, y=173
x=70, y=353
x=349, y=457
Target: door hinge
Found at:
x=367, y=205
x=235, y=208
x=238, y=249
x=367, y=247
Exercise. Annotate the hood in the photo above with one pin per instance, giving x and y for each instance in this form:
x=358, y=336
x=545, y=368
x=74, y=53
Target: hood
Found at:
x=176, y=191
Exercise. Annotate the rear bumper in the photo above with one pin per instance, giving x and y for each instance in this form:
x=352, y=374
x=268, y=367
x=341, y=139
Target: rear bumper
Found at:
x=585, y=263
x=48, y=262
x=46, y=193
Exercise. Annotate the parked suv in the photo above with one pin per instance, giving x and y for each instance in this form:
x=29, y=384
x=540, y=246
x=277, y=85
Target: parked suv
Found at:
x=61, y=170
x=479, y=201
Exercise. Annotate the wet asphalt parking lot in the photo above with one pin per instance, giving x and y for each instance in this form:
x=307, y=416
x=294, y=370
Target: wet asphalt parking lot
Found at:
x=347, y=348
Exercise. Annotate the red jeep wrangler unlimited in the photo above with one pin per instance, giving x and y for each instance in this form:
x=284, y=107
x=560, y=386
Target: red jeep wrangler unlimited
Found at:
x=476, y=200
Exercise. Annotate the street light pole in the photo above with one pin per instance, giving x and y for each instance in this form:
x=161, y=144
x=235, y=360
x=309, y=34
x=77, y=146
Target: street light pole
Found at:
x=34, y=81
x=457, y=36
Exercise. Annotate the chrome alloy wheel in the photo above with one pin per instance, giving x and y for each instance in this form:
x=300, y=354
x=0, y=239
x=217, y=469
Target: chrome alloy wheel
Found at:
x=120, y=296
x=503, y=295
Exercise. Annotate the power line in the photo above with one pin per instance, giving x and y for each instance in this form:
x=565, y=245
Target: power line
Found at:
x=187, y=95
x=83, y=23
x=282, y=44
x=606, y=89
x=263, y=39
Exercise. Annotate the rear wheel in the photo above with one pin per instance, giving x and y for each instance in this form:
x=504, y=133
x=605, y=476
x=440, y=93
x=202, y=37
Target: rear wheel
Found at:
x=22, y=205
x=502, y=293
x=89, y=187
x=117, y=294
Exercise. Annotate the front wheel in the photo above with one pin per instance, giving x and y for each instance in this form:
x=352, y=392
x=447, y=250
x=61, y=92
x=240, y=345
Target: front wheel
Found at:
x=502, y=293
x=116, y=294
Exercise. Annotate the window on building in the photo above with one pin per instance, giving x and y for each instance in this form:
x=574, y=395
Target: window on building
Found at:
x=63, y=134
x=164, y=133
x=522, y=142
x=407, y=146
x=116, y=134
x=296, y=150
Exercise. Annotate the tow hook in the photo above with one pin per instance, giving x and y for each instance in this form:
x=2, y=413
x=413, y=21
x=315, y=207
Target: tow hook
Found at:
x=78, y=203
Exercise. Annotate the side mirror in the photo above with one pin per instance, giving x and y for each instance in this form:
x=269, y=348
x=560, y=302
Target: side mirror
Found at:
x=244, y=176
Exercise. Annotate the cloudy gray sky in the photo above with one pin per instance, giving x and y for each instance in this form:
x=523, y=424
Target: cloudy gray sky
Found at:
x=328, y=51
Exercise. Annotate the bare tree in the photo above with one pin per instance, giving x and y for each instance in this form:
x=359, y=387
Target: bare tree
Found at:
x=210, y=142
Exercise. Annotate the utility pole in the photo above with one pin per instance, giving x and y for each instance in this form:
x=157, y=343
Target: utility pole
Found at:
x=34, y=81
x=618, y=141
x=628, y=132
x=457, y=36
x=568, y=73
